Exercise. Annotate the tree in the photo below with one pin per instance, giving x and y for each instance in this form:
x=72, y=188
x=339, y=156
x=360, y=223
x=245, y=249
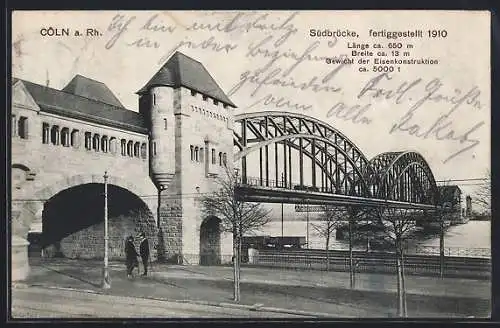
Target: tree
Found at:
x=331, y=219
x=237, y=217
x=354, y=215
x=482, y=197
x=397, y=226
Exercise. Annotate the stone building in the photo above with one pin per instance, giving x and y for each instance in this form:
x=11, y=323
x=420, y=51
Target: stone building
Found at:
x=159, y=161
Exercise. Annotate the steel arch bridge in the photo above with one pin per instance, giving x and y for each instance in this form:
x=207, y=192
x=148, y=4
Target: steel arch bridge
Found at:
x=327, y=168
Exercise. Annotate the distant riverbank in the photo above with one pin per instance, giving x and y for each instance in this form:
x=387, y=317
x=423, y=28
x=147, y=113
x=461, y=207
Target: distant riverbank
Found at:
x=473, y=234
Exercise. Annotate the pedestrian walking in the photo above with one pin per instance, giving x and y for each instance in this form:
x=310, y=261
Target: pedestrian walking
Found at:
x=131, y=256
x=144, y=252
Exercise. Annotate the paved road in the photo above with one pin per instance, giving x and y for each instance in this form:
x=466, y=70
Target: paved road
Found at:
x=37, y=302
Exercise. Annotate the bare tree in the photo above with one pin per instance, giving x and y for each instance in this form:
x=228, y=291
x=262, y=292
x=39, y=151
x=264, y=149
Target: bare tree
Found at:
x=236, y=216
x=330, y=220
x=397, y=226
x=355, y=214
x=482, y=197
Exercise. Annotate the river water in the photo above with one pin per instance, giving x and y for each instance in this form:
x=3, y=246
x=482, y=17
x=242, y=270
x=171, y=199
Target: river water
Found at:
x=471, y=235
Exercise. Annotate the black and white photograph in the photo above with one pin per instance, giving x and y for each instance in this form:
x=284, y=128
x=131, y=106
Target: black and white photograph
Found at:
x=250, y=165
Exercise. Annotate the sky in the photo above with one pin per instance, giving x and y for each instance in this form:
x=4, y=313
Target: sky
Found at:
x=272, y=61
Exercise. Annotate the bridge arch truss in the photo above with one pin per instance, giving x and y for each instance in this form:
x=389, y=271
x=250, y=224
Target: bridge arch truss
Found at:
x=325, y=161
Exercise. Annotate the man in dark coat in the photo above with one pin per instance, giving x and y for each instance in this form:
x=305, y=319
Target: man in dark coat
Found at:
x=131, y=256
x=144, y=251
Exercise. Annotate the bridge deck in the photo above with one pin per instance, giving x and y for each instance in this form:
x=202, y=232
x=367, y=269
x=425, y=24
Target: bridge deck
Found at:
x=281, y=195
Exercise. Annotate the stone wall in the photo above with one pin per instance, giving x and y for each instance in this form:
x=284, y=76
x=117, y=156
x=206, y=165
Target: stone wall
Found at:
x=170, y=229
x=88, y=243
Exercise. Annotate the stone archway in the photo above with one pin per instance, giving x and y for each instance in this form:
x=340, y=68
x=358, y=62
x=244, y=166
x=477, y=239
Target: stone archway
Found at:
x=210, y=241
x=24, y=214
x=73, y=222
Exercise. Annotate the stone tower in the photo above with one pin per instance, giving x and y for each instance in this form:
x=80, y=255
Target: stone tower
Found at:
x=191, y=144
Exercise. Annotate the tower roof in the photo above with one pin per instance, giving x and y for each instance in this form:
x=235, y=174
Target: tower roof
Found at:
x=85, y=87
x=181, y=70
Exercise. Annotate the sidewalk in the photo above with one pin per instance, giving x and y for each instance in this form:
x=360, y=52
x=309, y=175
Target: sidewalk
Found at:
x=313, y=291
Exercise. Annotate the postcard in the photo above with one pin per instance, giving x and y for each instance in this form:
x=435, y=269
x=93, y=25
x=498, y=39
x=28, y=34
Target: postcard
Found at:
x=250, y=164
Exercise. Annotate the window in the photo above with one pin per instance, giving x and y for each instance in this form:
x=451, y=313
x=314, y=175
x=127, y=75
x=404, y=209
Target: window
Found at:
x=216, y=102
x=123, y=147
x=154, y=148
x=45, y=133
x=144, y=153
x=137, y=149
x=112, y=145
x=154, y=99
x=192, y=152
x=88, y=140
x=75, y=138
x=220, y=158
x=95, y=142
x=224, y=105
x=205, y=98
x=54, y=135
x=224, y=159
x=130, y=148
x=196, y=155
x=22, y=127
x=202, y=154
x=14, y=125
x=214, y=161
x=65, y=137
x=104, y=144
x=165, y=123
x=193, y=93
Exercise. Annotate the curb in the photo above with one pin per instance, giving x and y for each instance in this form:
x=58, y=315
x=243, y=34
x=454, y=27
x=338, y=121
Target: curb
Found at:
x=254, y=307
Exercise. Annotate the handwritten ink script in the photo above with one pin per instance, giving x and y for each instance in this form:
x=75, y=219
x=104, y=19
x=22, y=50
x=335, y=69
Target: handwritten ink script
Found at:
x=417, y=93
x=288, y=70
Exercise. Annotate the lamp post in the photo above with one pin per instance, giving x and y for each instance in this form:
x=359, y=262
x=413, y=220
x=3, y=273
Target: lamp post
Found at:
x=106, y=283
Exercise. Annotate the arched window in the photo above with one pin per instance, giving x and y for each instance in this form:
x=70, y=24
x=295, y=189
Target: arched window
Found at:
x=104, y=144
x=214, y=160
x=130, y=148
x=196, y=153
x=137, y=149
x=144, y=151
x=88, y=140
x=224, y=159
x=165, y=123
x=192, y=152
x=95, y=142
x=75, y=138
x=202, y=154
x=45, y=133
x=154, y=148
x=65, y=137
x=112, y=145
x=220, y=159
x=123, y=147
x=54, y=135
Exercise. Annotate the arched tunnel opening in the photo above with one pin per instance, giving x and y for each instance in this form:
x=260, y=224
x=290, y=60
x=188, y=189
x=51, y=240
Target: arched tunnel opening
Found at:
x=73, y=223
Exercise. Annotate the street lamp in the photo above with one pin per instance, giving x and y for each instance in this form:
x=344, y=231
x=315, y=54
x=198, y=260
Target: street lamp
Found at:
x=106, y=283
